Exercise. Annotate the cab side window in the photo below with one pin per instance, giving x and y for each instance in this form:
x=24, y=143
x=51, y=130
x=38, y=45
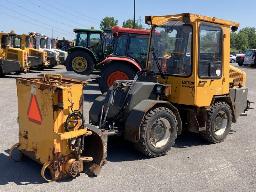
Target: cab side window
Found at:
x=210, y=51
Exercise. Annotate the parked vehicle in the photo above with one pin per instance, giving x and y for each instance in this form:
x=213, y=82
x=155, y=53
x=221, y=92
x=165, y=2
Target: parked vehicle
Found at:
x=64, y=44
x=232, y=58
x=249, y=57
x=240, y=58
x=91, y=47
x=41, y=43
x=37, y=58
x=128, y=57
x=52, y=45
x=12, y=58
x=195, y=87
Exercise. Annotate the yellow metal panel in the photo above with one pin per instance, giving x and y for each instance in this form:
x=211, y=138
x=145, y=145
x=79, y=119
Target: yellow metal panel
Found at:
x=192, y=18
x=40, y=139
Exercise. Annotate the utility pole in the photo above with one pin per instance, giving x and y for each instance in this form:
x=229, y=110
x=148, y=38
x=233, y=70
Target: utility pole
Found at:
x=134, y=16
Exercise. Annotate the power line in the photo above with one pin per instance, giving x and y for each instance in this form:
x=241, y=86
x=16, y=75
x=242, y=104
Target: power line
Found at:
x=72, y=13
x=29, y=21
x=44, y=16
x=34, y=20
x=59, y=13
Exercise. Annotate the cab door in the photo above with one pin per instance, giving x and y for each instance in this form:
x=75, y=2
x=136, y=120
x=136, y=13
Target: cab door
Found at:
x=211, y=79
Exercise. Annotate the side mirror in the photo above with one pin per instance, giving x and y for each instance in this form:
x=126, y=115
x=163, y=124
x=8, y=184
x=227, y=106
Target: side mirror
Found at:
x=148, y=20
x=234, y=28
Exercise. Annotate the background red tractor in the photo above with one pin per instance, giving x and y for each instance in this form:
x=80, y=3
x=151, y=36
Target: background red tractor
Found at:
x=128, y=57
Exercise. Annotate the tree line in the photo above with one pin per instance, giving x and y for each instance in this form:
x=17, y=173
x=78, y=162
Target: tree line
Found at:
x=109, y=22
x=240, y=41
x=243, y=39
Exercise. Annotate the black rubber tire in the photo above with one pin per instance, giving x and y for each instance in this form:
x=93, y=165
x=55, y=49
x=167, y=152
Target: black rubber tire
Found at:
x=112, y=67
x=240, y=63
x=143, y=145
x=1, y=72
x=209, y=134
x=89, y=59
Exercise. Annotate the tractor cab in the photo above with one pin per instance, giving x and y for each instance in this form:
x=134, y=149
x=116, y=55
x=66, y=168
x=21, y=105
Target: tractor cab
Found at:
x=132, y=43
x=91, y=39
x=128, y=57
x=91, y=47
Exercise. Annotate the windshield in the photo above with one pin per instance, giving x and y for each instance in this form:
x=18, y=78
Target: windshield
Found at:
x=81, y=39
x=5, y=41
x=15, y=42
x=120, y=45
x=249, y=53
x=132, y=45
x=138, y=48
x=43, y=43
x=29, y=42
x=171, y=49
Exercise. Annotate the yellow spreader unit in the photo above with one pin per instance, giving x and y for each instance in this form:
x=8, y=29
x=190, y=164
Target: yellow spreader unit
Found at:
x=52, y=130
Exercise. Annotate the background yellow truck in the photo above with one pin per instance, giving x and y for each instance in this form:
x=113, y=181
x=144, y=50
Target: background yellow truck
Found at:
x=36, y=58
x=13, y=59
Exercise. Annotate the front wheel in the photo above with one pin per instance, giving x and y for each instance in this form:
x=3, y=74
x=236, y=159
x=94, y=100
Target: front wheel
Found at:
x=158, y=132
x=1, y=72
x=219, y=123
x=80, y=62
x=115, y=71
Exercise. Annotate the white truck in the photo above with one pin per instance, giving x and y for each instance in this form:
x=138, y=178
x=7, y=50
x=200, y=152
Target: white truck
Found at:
x=249, y=58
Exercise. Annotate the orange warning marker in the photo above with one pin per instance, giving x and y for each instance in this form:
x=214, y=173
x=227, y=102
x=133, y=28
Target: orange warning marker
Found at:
x=34, y=113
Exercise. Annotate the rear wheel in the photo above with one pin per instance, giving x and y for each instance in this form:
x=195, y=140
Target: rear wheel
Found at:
x=115, y=71
x=80, y=62
x=219, y=123
x=240, y=63
x=158, y=132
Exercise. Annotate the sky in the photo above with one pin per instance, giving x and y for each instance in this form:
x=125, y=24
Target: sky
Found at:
x=58, y=18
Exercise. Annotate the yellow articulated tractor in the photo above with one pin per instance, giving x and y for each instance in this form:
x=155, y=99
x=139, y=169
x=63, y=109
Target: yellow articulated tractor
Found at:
x=190, y=85
x=36, y=58
x=12, y=58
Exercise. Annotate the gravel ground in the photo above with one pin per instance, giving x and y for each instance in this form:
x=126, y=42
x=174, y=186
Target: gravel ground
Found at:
x=191, y=165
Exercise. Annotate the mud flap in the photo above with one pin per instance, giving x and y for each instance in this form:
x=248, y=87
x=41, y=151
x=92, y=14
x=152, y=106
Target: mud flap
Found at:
x=95, y=146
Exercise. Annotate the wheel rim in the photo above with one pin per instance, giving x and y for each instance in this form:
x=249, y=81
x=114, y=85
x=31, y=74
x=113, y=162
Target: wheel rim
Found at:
x=117, y=75
x=79, y=64
x=160, y=133
x=221, y=123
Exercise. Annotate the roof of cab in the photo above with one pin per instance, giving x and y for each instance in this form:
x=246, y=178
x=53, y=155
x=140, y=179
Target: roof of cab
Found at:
x=87, y=30
x=130, y=30
x=192, y=18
